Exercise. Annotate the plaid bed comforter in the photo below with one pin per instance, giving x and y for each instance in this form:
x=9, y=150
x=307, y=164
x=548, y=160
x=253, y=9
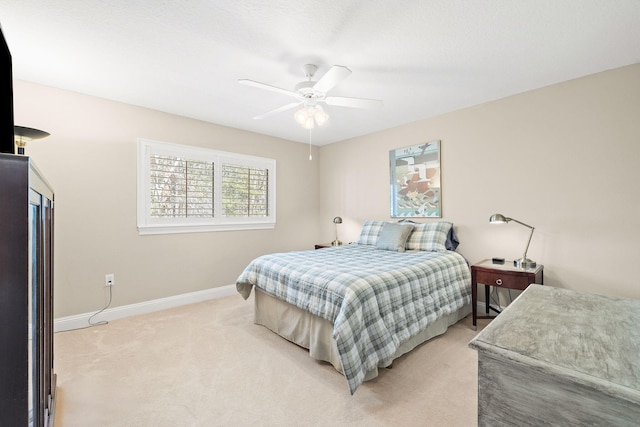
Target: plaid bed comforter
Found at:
x=376, y=299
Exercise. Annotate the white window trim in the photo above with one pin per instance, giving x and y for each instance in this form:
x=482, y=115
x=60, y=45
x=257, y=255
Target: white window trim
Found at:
x=148, y=225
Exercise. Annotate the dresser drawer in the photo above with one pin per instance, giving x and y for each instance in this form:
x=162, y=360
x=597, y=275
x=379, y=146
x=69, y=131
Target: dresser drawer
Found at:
x=504, y=279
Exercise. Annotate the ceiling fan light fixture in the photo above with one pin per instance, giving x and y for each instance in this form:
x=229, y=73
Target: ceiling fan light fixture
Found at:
x=309, y=124
x=301, y=116
x=320, y=116
x=308, y=117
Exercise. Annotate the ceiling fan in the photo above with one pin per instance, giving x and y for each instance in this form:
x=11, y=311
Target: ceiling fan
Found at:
x=311, y=93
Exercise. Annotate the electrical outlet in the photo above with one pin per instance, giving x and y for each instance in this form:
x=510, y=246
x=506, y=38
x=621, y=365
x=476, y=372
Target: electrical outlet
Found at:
x=109, y=279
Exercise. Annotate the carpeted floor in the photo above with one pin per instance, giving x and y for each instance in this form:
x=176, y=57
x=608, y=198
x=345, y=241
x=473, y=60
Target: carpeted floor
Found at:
x=207, y=364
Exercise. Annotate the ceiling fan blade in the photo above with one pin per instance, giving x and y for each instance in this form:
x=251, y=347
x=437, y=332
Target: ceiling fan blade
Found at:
x=265, y=86
x=278, y=110
x=335, y=75
x=341, y=101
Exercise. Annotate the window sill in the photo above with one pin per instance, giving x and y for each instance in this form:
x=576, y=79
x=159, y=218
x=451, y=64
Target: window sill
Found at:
x=174, y=229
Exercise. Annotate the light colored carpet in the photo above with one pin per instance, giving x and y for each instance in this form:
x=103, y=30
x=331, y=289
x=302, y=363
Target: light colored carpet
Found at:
x=207, y=364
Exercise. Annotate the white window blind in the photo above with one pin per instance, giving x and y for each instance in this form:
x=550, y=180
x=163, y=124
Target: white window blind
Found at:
x=245, y=191
x=188, y=189
x=181, y=188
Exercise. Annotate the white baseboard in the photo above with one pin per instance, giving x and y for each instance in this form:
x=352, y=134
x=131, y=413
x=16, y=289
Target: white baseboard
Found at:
x=82, y=320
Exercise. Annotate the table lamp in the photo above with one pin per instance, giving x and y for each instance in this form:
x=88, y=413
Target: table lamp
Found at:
x=523, y=262
x=337, y=220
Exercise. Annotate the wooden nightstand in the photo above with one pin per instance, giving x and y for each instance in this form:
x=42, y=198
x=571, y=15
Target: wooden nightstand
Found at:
x=500, y=275
x=323, y=245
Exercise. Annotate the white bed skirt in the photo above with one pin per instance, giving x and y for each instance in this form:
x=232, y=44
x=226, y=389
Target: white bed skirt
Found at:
x=315, y=333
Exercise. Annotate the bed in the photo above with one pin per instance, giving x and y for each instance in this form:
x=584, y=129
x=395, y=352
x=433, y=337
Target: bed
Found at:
x=360, y=306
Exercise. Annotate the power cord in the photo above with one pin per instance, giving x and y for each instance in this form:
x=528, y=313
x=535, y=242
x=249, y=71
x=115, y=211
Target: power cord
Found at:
x=495, y=298
x=102, y=322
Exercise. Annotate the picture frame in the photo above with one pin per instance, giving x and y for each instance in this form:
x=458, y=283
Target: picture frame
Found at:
x=415, y=181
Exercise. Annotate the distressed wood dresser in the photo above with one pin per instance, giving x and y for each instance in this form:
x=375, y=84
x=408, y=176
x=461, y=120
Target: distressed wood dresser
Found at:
x=560, y=357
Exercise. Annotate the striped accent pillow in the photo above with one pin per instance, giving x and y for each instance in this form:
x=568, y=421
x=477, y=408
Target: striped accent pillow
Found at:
x=370, y=231
x=430, y=236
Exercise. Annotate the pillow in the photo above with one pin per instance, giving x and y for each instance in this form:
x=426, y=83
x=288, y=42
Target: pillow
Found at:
x=370, y=231
x=430, y=236
x=452, y=240
x=393, y=236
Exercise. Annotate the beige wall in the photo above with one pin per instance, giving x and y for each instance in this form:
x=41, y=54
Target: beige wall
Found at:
x=90, y=160
x=565, y=159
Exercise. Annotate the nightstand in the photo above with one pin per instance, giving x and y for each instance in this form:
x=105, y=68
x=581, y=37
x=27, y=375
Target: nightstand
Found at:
x=323, y=245
x=500, y=275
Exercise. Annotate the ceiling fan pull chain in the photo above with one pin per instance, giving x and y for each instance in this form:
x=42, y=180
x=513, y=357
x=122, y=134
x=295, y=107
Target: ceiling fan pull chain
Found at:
x=310, y=156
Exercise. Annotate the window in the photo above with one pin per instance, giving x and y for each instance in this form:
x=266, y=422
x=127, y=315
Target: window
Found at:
x=190, y=189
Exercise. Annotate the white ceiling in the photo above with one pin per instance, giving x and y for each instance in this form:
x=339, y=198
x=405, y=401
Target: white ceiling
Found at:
x=422, y=57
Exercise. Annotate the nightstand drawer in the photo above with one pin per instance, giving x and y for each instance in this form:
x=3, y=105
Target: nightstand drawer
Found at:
x=504, y=279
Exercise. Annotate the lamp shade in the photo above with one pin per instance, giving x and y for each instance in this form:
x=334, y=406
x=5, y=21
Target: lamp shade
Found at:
x=309, y=123
x=498, y=219
x=22, y=135
x=301, y=116
x=320, y=116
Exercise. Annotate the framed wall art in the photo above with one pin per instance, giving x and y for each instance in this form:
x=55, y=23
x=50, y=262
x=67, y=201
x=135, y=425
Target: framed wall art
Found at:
x=415, y=181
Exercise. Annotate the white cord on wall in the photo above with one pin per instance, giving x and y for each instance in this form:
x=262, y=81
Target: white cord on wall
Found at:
x=102, y=322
